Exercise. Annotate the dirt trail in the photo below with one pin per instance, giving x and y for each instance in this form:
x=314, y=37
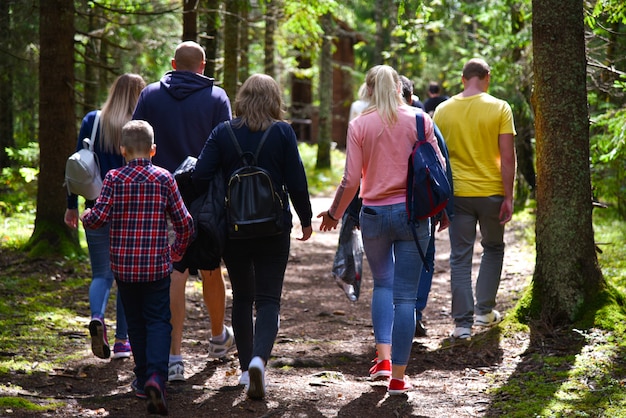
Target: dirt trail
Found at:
x=320, y=359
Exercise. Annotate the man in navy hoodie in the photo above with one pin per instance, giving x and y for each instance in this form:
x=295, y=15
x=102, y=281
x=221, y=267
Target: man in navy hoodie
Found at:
x=183, y=108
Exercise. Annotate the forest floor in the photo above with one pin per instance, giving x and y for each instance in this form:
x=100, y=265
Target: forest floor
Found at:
x=321, y=358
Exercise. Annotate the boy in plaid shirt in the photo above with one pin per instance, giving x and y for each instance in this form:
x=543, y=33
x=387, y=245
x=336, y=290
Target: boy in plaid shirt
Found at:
x=136, y=200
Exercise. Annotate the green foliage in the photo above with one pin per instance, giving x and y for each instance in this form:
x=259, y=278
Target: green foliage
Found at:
x=18, y=187
x=321, y=182
x=608, y=158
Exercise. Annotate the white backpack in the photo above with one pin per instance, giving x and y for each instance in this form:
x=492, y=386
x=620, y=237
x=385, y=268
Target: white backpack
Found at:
x=82, y=169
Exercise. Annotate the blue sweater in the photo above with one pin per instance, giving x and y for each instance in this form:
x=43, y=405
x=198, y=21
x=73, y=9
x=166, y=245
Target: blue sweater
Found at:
x=183, y=108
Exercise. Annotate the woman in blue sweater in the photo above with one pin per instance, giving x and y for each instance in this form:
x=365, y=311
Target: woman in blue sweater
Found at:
x=117, y=110
x=256, y=266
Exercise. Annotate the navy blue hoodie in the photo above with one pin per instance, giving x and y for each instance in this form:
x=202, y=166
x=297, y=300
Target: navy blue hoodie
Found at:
x=183, y=108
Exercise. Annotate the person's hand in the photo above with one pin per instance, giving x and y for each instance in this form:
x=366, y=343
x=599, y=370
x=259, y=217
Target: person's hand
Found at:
x=307, y=231
x=506, y=210
x=71, y=218
x=85, y=213
x=175, y=257
x=328, y=223
x=444, y=222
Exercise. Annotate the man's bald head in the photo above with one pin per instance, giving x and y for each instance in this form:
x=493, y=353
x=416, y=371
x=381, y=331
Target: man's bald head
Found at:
x=189, y=56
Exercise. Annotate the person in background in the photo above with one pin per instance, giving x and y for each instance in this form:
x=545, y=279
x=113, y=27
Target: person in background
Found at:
x=135, y=201
x=360, y=103
x=379, y=144
x=256, y=266
x=479, y=131
x=435, y=98
x=183, y=108
x=408, y=93
x=117, y=110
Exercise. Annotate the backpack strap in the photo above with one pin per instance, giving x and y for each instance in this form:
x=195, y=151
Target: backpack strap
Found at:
x=238, y=147
x=94, y=130
x=421, y=132
x=421, y=136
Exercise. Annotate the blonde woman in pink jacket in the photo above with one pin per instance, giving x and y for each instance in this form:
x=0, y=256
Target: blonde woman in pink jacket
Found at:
x=380, y=141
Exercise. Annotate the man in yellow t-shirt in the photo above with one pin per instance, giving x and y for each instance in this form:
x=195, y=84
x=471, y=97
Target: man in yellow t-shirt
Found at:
x=479, y=131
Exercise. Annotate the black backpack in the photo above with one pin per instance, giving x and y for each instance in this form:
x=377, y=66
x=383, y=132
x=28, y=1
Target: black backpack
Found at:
x=254, y=207
x=427, y=187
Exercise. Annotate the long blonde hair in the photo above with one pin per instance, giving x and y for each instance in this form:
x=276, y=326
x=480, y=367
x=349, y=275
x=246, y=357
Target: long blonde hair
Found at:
x=118, y=109
x=383, y=92
x=259, y=102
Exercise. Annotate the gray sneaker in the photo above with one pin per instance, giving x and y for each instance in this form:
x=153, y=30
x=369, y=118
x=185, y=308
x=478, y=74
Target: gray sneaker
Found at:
x=222, y=349
x=176, y=372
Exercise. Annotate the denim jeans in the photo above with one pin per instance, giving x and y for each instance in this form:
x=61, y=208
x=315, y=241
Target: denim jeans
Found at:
x=102, y=279
x=468, y=212
x=396, y=266
x=147, y=307
x=256, y=268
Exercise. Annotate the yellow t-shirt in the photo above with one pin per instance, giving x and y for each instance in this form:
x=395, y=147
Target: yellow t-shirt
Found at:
x=470, y=126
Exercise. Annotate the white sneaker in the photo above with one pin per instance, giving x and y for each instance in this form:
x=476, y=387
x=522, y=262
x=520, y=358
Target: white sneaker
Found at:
x=244, y=379
x=489, y=319
x=256, y=371
x=221, y=350
x=461, y=333
x=176, y=372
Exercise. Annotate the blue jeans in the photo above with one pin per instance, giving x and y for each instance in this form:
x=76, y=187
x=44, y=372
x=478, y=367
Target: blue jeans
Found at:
x=396, y=265
x=256, y=268
x=102, y=279
x=426, y=278
x=468, y=212
x=147, y=307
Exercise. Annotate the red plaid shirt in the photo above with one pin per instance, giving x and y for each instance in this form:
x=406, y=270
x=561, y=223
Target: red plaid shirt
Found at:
x=136, y=200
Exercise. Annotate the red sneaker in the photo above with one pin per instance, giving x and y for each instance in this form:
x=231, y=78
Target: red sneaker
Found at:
x=399, y=386
x=381, y=370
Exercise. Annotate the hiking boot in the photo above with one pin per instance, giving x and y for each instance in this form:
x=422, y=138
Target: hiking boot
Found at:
x=256, y=373
x=121, y=350
x=420, y=330
x=381, y=370
x=399, y=386
x=99, y=343
x=155, y=392
x=461, y=333
x=139, y=392
x=176, y=372
x=219, y=350
x=488, y=319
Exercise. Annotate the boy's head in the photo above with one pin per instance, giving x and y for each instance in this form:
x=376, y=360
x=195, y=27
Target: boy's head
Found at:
x=137, y=140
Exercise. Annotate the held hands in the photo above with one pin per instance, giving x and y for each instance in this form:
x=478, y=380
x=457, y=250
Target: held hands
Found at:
x=85, y=213
x=328, y=223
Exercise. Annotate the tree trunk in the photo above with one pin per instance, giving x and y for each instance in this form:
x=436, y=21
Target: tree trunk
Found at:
x=190, y=20
x=567, y=275
x=270, y=28
x=231, y=47
x=57, y=126
x=244, y=44
x=6, y=80
x=325, y=94
x=210, y=42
